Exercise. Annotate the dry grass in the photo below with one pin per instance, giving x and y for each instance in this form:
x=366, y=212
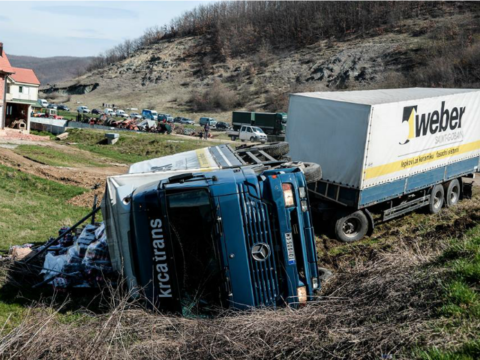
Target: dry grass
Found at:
x=368, y=312
x=383, y=305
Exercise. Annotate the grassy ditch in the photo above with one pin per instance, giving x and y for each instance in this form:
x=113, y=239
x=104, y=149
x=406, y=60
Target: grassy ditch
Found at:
x=460, y=295
x=133, y=147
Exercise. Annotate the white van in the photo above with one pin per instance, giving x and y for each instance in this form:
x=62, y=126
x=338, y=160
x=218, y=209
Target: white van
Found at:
x=122, y=113
x=83, y=109
x=43, y=103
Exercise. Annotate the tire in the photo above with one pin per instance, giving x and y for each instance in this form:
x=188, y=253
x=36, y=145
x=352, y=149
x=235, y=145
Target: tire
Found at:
x=352, y=227
x=452, y=193
x=312, y=171
x=436, y=199
x=324, y=274
x=276, y=150
x=252, y=139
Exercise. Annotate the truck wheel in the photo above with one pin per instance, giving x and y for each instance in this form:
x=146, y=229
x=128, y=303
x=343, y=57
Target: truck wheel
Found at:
x=436, y=199
x=275, y=150
x=452, y=189
x=324, y=274
x=352, y=227
x=252, y=139
x=312, y=171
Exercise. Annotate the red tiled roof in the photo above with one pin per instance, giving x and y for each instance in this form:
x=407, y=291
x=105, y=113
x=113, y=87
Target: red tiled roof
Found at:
x=4, y=63
x=20, y=75
x=25, y=76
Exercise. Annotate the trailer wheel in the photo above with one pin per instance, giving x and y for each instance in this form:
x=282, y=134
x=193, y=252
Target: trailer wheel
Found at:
x=452, y=193
x=352, y=227
x=436, y=199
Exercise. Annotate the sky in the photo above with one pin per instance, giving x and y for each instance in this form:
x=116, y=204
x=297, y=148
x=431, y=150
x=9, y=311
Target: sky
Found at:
x=80, y=28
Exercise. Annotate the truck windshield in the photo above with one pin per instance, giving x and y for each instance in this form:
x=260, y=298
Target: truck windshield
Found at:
x=257, y=129
x=192, y=224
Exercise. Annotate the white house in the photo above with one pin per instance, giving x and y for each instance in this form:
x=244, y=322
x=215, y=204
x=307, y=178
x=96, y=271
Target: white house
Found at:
x=21, y=93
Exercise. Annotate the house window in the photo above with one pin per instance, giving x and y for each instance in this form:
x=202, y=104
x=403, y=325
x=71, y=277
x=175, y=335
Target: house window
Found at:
x=20, y=89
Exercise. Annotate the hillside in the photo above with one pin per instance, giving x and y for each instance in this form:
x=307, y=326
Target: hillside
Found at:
x=185, y=75
x=51, y=70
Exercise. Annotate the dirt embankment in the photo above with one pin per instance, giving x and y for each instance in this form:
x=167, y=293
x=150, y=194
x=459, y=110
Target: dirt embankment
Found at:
x=86, y=177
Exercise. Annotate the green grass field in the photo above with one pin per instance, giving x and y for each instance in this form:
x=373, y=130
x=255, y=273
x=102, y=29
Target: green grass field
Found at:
x=55, y=157
x=460, y=309
x=133, y=147
x=33, y=209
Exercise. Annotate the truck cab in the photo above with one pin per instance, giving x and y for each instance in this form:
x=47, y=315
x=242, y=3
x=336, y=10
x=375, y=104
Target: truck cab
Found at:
x=233, y=238
x=149, y=114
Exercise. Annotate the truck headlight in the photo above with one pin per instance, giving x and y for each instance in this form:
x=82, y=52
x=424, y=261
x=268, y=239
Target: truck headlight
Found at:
x=304, y=205
x=288, y=195
x=302, y=192
x=315, y=283
x=302, y=295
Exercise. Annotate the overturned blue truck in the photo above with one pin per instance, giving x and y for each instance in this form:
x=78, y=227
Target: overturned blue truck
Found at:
x=215, y=228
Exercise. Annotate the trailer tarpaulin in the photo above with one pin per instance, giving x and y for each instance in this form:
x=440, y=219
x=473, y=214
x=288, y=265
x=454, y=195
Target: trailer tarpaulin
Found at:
x=367, y=138
x=200, y=159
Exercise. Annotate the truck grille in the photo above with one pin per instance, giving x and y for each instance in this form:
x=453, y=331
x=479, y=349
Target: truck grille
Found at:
x=258, y=231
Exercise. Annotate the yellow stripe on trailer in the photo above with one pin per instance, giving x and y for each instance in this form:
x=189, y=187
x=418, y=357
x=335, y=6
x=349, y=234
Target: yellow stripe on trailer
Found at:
x=202, y=158
x=422, y=159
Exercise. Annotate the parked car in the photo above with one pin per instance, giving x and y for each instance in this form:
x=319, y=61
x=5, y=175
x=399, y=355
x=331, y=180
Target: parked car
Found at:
x=135, y=116
x=221, y=125
x=42, y=102
x=63, y=107
x=182, y=120
x=149, y=114
x=109, y=112
x=51, y=106
x=83, y=109
x=121, y=113
x=211, y=121
x=96, y=112
x=166, y=117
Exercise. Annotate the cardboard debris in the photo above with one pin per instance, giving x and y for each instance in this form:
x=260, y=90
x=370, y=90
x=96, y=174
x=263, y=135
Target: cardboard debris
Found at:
x=19, y=253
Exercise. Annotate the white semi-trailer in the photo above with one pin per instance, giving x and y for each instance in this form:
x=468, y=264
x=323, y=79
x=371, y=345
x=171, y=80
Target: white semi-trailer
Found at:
x=385, y=151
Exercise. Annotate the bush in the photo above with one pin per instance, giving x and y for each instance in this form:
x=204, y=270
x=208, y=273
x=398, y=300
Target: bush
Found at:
x=217, y=97
x=452, y=66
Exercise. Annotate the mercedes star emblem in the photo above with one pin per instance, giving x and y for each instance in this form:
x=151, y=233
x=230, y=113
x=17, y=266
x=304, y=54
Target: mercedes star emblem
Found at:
x=261, y=252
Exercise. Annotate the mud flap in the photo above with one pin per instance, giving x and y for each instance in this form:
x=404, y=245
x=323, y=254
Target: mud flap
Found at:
x=371, y=223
